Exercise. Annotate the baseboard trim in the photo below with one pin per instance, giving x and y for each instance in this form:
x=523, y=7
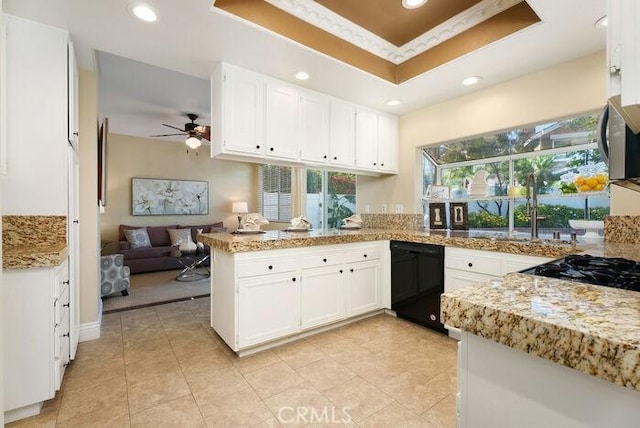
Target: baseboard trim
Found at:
x=91, y=330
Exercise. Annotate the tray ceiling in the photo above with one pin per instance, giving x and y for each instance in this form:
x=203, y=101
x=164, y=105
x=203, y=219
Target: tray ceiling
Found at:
x=384, y=38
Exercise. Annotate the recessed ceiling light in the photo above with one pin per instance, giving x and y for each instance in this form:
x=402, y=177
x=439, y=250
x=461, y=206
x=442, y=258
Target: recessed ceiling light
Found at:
x=412, y=4
x=471, y=80
x=301, y=75
x=143, y=12
x=394, y=102
x=602, y=22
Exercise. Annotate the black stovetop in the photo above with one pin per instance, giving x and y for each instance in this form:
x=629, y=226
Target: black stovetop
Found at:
x=609, y=272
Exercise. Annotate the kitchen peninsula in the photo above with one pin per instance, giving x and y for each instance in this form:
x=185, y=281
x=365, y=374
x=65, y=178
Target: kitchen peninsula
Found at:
x=272, y=287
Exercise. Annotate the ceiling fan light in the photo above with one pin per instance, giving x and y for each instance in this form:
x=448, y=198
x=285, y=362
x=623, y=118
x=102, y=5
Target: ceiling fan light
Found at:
x=412, y=4
x=193, y=142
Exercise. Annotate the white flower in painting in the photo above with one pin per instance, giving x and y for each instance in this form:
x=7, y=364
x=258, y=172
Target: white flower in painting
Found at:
x=170, y=191
x=200, y=193
x=144, y=203
x=187, y=206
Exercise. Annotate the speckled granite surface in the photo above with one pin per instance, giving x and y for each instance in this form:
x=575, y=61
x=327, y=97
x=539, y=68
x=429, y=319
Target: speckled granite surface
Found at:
x=622, y=228
x=593, y=329
x=392, y=221
x=465, y=239
x=33, y=241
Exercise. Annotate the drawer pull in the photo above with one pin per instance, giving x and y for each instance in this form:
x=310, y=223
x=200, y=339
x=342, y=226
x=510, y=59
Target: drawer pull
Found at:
x=351, y=270
x=324, y=157
x=270, y=267
x=470, y=264
x=270, y=149
x=340, y=270
x=324, y=260
x=365, y=256
x=65, y=335
x=293, y=279
x=66, y=305
x=66, y=282
x=335, y=158
x=257, y=147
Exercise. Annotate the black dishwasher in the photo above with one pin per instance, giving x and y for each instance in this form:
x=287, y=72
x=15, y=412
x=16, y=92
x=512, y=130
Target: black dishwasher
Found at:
x=417, y=281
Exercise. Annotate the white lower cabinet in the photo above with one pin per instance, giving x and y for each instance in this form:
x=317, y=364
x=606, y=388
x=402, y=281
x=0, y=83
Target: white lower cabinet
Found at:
x=268, y=308
x=36, y=327
x=322, y=296
x=262, y=296
x=363, y=287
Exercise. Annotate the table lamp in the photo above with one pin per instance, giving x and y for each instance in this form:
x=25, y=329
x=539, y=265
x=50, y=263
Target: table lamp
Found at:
x=239, y=208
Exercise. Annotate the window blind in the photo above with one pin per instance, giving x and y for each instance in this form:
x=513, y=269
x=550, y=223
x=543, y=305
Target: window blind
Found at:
x=275, y=192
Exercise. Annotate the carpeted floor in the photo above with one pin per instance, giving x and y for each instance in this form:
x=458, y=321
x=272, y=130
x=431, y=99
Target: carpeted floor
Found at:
x=156, y=287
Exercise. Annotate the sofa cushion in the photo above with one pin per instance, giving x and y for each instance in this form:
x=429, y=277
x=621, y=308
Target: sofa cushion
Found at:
x=137, y=238
x=158, y=235
x=206, y=228
x=143, y=253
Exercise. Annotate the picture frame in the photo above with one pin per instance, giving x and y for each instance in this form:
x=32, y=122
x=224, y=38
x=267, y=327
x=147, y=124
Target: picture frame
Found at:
x=437, y=215
x=459, y=215
x=157, y=196
x=438, y=192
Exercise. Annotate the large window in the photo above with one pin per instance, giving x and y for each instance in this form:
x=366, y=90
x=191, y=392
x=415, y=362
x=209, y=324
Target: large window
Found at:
x=330, y=197
x=556, y=153
x=275, y=192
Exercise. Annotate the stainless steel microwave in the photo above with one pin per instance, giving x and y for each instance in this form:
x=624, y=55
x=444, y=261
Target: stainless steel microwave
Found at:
x=620, y=147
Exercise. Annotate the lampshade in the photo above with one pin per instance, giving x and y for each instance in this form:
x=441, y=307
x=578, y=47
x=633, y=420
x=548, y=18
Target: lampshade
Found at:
x=193, y=142
x=240, y=207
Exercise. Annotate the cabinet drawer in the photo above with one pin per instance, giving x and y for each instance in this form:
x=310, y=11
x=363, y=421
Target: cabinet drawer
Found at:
x=322, y=259
x=473, y=261
x=363, y=253
x=61, y=304
x=248, y=268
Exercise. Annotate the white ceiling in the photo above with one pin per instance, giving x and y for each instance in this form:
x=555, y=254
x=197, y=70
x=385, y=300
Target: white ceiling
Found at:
x=191, y=36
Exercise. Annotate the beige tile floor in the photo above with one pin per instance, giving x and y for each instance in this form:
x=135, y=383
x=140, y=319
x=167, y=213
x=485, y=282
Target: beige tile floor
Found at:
x=164, y=366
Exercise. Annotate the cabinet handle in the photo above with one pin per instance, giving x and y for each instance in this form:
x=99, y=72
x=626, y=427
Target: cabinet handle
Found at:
x=374, y=164
x=324, y=157
x=324, y=260
x=66, y=282
x=293, y=279
x=351, y=270
x=75, y=221
x=65, y=335
x=75, y=133
x=381, y=164
x=335, y=158
x=258, y=146
x=65, y=365
x=470, y=264
x=66, y=305
x=365, y=256
x=340, y=270
x=270, y=267
x=56, y=326
x=270, y=149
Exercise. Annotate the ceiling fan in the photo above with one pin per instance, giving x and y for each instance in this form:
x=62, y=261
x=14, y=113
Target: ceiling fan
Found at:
x=194, y=131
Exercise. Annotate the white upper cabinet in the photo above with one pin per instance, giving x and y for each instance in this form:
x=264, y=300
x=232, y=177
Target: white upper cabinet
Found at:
x=342, y=129
x=388, y=143
x=281, y=121
x=366, y=139
x=259, y=119
x=314, y=127
x=238, y=112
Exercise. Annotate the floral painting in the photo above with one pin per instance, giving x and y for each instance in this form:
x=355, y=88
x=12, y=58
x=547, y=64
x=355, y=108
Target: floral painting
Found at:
x=151, y=196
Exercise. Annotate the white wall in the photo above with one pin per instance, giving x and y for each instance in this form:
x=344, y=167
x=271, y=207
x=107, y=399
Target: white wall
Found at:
x=89, y=229
x=564, y=90
x=130, y=157
x=624, y=201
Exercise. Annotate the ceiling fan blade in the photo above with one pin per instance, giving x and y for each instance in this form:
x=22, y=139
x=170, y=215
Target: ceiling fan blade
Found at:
x=174, y=127
x=164, y=135
x=204, y=132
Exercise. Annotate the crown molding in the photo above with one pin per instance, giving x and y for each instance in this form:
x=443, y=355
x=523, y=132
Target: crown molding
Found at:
x=327, y=20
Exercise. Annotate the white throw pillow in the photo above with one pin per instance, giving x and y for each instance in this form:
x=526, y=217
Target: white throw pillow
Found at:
x=179, y=236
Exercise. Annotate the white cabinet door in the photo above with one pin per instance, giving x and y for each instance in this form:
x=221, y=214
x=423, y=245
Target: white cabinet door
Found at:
x=243, y=123
x=281, y=136
x=321, y=296
x=387, y=143
x=314, y=127
x=72, y=97
x=366, y=139
x=268, y=308
x=363, y=287
x=455, y=279
x=342, y=128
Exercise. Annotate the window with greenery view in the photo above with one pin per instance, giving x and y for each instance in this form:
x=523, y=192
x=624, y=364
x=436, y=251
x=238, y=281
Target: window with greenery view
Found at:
x=330, y=197
x=570, y=175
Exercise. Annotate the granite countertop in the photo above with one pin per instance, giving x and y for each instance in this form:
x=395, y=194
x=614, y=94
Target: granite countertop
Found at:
x=477, y=240
x=589, y=328
x=34, y=256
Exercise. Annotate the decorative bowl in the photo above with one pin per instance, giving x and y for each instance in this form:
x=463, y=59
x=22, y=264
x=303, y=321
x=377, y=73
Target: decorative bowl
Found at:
x=591, y=227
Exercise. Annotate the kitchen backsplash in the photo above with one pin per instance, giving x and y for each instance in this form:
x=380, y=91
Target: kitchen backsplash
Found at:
x=21, y=230
x=622, y=228
x=392, y=221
